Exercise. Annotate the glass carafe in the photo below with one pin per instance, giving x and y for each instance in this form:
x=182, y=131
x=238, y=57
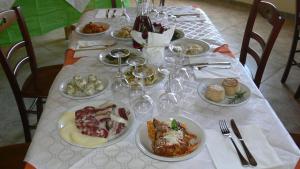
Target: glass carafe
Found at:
x=142, y=22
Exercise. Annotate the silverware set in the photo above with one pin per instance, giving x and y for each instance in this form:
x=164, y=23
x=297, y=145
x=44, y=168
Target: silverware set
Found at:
x=226, y=132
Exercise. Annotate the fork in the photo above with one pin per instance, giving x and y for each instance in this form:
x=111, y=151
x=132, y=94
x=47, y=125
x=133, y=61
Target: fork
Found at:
x=225, y=131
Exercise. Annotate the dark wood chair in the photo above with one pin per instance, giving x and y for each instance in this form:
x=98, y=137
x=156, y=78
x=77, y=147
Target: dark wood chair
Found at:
x=38, y=83
x=162, y=2
x=269, y=12
x=292, y=62
x=296, y=138
x=12, y=156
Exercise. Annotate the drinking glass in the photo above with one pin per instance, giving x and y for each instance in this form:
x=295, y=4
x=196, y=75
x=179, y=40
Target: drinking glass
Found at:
x=143, y=104
x=124, y=18
x=118, y=87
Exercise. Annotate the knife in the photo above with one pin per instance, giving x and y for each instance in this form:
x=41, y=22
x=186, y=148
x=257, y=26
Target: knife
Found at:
x=236, y=131
x=207, y=63
x=188, y=14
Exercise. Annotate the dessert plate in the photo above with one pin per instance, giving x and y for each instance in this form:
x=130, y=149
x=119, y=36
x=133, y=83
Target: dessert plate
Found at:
x=195, y=47
x=227, y=102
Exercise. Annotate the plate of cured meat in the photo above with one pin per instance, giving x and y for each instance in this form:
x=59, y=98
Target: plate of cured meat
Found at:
x=95, y=124
x=170, y=138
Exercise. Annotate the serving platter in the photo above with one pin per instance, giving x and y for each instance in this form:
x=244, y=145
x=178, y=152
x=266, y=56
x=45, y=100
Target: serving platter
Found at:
x=69, y=132
x=79, y=28
x=185, y=44
x=227, y=102
x=144, y=142
x=63, y=85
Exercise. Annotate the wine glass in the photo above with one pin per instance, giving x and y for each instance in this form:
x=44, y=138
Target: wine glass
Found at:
x=117, y=86
x=143, y=104
x=169, y=99
x=124, y=18
x=162, y=15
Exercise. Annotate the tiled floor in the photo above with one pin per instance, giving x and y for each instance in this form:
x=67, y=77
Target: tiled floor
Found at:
x=230, y=19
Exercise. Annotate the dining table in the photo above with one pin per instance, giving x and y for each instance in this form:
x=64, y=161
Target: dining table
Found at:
x=49, y=151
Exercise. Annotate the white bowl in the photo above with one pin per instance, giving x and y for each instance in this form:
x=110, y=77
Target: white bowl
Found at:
x=145, y=145
x=80, y=27
x=186, y=43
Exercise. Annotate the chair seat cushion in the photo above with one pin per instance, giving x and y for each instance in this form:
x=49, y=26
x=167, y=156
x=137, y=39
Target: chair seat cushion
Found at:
x=39, y=85
x=12, y=156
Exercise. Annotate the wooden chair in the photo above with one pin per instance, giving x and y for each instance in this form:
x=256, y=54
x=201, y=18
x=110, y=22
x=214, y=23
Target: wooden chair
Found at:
x=12, y=156
x=292, y=62
x=162, y=2
x=38, y=83
x=296, y=138
x=269, y=12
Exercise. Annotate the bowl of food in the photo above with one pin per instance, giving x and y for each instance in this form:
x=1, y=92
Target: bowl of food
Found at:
x=92, y=28
x=123, y=33
x=108, y=57
x=224, y=92
x=83, y=86
x=170, y=138
x=189, y=47
x=153, y=75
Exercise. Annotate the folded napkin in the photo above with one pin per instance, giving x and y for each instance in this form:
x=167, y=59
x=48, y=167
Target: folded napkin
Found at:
x=86, y=44
x=91, y=48
x=210, y=72
x=188, y=19
x=154, y=47
x=225, y=156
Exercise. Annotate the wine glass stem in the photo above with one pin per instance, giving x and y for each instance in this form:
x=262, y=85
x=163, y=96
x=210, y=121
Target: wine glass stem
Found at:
x=119, y=63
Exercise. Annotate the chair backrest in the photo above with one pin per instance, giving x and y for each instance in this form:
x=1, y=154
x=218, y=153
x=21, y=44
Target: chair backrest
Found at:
x=162, y=2
x=113, y=4
x=269, y=12
x=7, y=18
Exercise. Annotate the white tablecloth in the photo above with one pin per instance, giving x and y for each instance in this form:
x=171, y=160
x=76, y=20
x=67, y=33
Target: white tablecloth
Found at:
x=49, y=151
x=6, y=4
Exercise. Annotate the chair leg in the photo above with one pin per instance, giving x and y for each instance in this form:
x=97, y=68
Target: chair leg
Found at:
x=26, y=127
x=39, y=108
x=297, y=95
x=291, y=57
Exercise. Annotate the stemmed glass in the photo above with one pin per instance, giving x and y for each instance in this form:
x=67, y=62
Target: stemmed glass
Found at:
x=162, y=15
x=117, y=86
x=143, y=104
x=124, y=18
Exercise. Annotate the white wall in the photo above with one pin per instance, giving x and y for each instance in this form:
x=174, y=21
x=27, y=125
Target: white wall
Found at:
x=283, y=5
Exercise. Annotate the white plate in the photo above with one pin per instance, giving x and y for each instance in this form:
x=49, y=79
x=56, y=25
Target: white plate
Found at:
x=113, y=34
x=185, y=43
x=80, y=27
x=144, y=143
x=202, y=88
x=65, y=121
x=103, y=60
x=63, y=85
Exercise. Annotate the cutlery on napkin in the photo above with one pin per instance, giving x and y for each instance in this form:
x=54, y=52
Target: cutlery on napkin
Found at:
x=225, y=157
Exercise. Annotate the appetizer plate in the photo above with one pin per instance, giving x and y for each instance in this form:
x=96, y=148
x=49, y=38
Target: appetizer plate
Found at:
x=145, y=145
x=80, y=27
x=226, y=102
x=63, y=85
x=159, y=76
x=113, y=34
x=69, y=132
x=185, y=44
x=103, y=56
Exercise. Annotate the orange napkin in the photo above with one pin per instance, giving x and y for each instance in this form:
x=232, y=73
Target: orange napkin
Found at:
x=69, y=57
x=224, y=49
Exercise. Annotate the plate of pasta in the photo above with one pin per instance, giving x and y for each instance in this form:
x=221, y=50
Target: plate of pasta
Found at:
x=170, y=138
